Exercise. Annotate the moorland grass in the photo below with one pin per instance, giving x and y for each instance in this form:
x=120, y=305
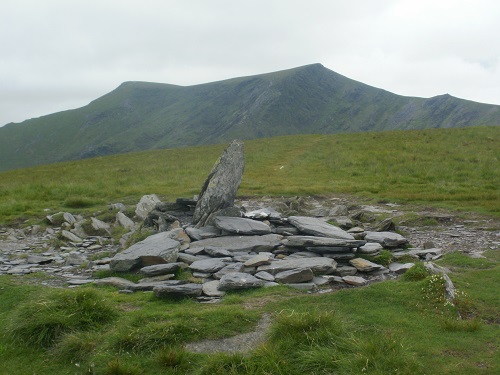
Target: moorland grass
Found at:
x=455, y=168
x=398, y=326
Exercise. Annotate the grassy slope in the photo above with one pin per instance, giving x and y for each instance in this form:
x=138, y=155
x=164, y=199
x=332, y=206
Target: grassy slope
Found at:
x=456, y=168
x=306, y=100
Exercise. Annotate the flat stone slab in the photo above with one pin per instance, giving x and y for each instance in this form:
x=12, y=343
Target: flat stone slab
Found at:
x=161, y=269
x=386, y=239
x=370, y=248
x=263, y=275
x=259, y=259
x=241, y=243
x=117, y=282
x=354, y=280
x=211, y=289
x=312, y=241
x=230, y=268
x=263, y=213
x=188, y=290
x=400, y=268
x=239, y=225
x=298, y=275
x=363, y=265
x=208, y=265
x=239, y=280
x=156, y=249
x=319, y=265
x=317, y=227
x=202, y=233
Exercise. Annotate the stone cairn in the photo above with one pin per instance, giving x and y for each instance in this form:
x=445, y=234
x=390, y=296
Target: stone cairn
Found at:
x=224, y=247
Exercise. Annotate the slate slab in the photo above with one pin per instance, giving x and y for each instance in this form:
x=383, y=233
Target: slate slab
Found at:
x=363, y=265
x=241, y=243
x=239, y=225
x=319, y=265
x=161, y=269
x=318, y=227
x=168, y=291
x=312, y=241
x=239, y=280
x=208, y=265
x=156, y=249
x=386, y=239
x=297, y=275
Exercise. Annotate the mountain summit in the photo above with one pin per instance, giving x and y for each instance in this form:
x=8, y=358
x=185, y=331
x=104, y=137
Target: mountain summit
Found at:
x=310, y=99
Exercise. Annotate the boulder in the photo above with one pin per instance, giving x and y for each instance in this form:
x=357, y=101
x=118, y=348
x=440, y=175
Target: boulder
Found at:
x=386, y=239
x=221, y=185
x=100, y=225
x=241, y=243
x=240, y=225
x=317, y=227
x=169, y=291
x=239, y=280
x=146, y=205
x=319, y=265
x=297, y=275
x=156, y=249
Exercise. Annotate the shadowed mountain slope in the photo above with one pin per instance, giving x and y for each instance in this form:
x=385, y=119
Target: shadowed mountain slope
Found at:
x=306, y=100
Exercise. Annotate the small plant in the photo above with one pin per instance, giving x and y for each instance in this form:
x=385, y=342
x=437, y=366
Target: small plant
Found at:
x=173, y=358
x=384, y=258
x=416, y=273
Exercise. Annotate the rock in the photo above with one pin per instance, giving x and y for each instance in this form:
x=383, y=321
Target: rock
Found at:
x=241, y=225
x=345, y=271
x=155, y=249
x=217, y=252
x=211, y=289
x=263, y=275
x=309, y=241
x=343, y=222
x=317, y=227
x=321, y=280
x=400, y=268
x=241, y=243
x=221, y=186
x=363, y=265
x=263, y=213
x=117, y=206
x=258, y=260
x=75, y=259
x=208, y=265
x=386, y=239
x=161, y=269
x=169, y=291
x=303, y=286
x=70, y=236
x=116, y=282
x=69, y=218
x=354, y=280
x=339, y=210
x=421, y=253
x=329, y=250
x=100, y=225
x=187, y=258
x=56, y=219
x=37, y=259
x=386, y=225
x=319, y=265
x=124, y=220
x=202, y=233
x=370, y=248
x=298, y=275
x=239, y=280
x=230, y=268
x=146, y=205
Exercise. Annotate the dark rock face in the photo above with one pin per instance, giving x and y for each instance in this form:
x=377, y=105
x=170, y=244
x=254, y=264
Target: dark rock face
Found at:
x=221, y=185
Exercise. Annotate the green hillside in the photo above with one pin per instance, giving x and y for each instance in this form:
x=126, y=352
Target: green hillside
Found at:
x=457, y=168
x=306, y=100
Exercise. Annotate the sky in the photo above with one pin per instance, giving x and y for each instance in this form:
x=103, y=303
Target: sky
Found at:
x=61, y=54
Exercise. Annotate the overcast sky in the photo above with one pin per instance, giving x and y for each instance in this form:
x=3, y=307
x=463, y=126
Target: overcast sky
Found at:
x=62, y=54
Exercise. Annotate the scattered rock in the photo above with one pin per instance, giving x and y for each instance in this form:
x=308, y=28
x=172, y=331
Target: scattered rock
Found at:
x=317, y=227
x=386, y=239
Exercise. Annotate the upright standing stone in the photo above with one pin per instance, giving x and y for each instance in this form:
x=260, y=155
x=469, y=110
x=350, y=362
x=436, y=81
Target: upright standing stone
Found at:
x=221, y=185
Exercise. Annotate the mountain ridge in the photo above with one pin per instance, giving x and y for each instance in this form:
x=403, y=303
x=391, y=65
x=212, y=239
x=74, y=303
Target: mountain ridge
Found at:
x=305, y=100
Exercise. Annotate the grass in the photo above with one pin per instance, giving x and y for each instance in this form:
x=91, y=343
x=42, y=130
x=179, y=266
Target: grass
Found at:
x=399, y=326
x=452, y=168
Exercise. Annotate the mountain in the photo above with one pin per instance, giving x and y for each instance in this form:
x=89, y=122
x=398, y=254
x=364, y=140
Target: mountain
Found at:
x=306, y=100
